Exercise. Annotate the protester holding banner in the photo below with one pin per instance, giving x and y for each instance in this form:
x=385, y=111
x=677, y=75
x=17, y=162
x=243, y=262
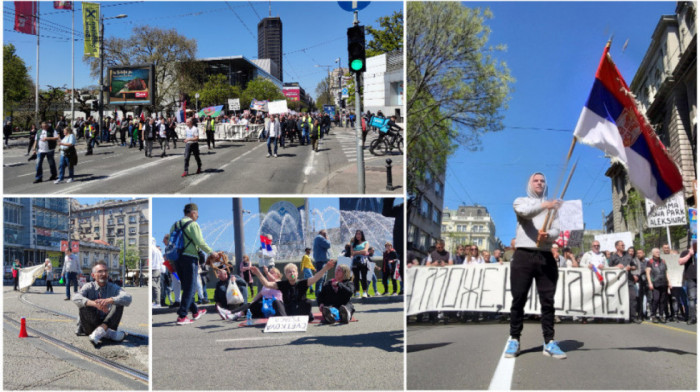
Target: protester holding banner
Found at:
x=293, y=290
x=336, y=294
x=533, y=259
x=657, y=277
x=689, y=261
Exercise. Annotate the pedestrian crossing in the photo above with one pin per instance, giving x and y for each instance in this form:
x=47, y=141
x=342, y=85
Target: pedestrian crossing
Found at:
x=346, y=138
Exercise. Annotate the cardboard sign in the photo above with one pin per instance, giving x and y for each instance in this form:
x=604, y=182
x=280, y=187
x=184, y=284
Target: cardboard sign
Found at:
x=671, y=213
x=675, y=270
x=234, y=104
x=486, y=288
x=277, y=107
x=287, y=324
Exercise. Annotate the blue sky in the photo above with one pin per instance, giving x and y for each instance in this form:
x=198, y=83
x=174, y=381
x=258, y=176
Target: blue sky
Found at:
x=553, y=50
x=216, y=218
x=313, y=33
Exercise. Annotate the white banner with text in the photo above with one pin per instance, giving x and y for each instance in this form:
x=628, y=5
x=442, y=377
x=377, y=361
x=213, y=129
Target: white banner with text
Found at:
x=486, y=288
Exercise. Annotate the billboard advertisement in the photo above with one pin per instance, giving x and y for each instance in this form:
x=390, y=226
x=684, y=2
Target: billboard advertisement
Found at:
x=131, y=85
x=291, y=93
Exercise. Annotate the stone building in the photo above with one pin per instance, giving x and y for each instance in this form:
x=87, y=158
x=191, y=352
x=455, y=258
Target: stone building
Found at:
x=469, y=225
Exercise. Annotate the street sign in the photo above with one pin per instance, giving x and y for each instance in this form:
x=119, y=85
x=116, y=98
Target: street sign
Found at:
x=352, y=6
x=234, y=104
x=345, y=93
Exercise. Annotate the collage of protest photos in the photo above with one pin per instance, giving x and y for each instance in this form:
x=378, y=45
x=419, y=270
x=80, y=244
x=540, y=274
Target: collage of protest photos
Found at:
x=349, y=195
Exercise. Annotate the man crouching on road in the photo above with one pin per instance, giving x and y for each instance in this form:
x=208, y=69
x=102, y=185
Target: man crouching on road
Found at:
x=101, y=305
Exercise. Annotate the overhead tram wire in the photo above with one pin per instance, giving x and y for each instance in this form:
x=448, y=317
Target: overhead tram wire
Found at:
x=256, y=12
x=241, y=20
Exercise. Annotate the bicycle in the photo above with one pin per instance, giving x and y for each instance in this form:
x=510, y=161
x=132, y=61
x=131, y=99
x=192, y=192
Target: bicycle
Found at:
x=386, y=143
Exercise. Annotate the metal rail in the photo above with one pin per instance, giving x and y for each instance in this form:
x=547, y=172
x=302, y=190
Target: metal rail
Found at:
x=137, y=374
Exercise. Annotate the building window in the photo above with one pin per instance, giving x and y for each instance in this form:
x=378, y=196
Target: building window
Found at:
x=132, y=241
x=132, y=230
x=424, y=207
x=436, y=216
x=438, y=188
x=444, y=228
x=110, y=221
x=132, y=219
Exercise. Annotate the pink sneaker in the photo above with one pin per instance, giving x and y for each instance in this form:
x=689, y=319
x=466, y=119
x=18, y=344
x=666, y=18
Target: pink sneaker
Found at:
x=199, y=314
x=184, y=321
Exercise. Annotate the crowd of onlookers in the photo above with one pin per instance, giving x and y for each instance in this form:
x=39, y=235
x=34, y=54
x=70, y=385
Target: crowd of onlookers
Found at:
x=652, y=297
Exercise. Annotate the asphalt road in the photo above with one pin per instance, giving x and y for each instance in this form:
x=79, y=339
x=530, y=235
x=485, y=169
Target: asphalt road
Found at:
x=33, y=363
x=233, y=167
x=213, y=354
x=600, y=356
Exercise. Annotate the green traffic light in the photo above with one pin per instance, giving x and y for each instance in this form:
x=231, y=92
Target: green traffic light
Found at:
x=356, y=65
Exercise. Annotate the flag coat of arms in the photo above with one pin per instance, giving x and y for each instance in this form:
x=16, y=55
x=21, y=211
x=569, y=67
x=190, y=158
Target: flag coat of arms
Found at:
x=611, y=121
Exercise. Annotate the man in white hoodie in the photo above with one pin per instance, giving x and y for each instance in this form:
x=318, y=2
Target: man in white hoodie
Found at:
x=533, y=259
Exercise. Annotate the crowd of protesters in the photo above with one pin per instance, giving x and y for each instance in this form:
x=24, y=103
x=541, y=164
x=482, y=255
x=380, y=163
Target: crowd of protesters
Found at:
x=651, y=295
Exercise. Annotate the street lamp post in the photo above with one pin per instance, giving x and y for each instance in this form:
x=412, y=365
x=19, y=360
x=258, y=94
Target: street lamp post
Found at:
x=102, y=66
x=121, y=212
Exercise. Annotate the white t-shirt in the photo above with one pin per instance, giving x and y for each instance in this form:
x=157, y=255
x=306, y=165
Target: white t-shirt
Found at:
x=191, y=133
x=591, y=258
x=162, y=129
x=44, y=146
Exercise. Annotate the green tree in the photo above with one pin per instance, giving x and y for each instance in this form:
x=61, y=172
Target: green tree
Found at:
x=260, y=89
x=324, y=94
x=132, y=256
x=17, y=85
x=456, y=88
x=217, y=91
x=388, y=37
x=52, y=103
x=169, y=51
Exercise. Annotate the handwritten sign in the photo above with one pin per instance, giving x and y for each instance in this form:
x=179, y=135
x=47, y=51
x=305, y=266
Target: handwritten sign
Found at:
x=287, y=324
x=671, y=213
x=571, y=215
x=607, y=241
x=486, y=288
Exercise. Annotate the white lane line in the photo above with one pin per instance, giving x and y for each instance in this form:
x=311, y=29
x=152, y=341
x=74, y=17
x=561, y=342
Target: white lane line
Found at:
x=28, y=174
x=503, y=376
x=206, y=176
x=250, y=339
x=117, y=174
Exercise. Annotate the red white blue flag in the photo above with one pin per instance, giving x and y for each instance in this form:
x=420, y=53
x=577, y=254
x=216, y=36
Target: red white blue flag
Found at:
x=612, y=122
x=266, y=246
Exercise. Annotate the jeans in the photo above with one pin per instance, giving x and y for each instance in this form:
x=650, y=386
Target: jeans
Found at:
x=526, y=265
x=71, y=276
x=186, y=267
x=691, y=288
x=149, y=147
x=62, y=168
x=39, y=163
x=91, y=318
x=305, y=137
x=155, y=292
x=192, y=148
x=271, y=140
x=359, y=270
x=319, y=284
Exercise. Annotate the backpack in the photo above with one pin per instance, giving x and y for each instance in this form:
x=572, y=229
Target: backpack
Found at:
x=176, y=244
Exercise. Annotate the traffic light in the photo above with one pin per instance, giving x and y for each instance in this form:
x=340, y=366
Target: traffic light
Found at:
x=356, y=49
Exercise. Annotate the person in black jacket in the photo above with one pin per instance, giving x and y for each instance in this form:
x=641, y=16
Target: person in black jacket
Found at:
x=336, y=294
x=396, y=211
x=149, y=135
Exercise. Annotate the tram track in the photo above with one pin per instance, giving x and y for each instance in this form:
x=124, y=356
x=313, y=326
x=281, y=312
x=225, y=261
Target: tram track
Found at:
x=116, y=367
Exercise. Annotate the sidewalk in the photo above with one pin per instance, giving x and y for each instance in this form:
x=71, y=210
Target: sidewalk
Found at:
x=344, y=180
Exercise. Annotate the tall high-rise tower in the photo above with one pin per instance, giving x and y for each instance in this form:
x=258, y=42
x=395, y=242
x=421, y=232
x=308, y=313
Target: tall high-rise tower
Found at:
x=270, y=42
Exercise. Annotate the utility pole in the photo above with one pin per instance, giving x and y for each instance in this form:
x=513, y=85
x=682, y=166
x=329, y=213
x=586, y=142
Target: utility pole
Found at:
x=238, y=241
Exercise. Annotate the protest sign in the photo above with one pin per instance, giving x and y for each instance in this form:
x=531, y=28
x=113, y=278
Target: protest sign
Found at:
x=234, y=104
x=28, y=275
x=607, y=241
x=571, y=215
x=670, y=213
x=675, y=270
x=277, y=107
x=486, y=288
x=287, y=324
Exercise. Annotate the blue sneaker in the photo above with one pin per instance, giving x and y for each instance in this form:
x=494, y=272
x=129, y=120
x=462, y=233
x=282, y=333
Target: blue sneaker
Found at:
x=513, y=348
x=552, y=349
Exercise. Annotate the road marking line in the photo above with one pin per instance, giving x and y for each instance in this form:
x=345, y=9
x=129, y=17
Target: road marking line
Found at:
x=117, y=174
x=671, y=328
x=24, y=175
x=246, y=339
x=206, y=176
x=309, y=164
x=503, y=376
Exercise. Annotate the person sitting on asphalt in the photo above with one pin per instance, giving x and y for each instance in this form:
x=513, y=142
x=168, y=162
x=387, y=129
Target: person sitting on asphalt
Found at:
x=261, y=306
x=335, y=295
x=101, y=305
x=293, y=290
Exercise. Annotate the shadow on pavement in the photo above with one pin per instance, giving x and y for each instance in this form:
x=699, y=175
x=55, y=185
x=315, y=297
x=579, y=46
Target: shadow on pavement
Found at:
x=381, y=340
x=394, y=310
x=412, y=348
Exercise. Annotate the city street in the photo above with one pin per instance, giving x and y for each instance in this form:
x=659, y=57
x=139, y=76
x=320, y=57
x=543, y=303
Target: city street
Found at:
x=213, y=354
x=39, y=362
x=600, y=356
x=233, y=167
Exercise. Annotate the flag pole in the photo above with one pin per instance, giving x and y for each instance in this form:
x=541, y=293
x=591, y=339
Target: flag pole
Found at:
x=72, y=65
x=36, y=90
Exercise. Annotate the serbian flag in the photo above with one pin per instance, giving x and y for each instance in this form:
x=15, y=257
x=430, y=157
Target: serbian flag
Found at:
x=63, y=5
x=611, y=121
x=25, y=16
x=597, y=273
x=181, y=115
x=266, y=246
